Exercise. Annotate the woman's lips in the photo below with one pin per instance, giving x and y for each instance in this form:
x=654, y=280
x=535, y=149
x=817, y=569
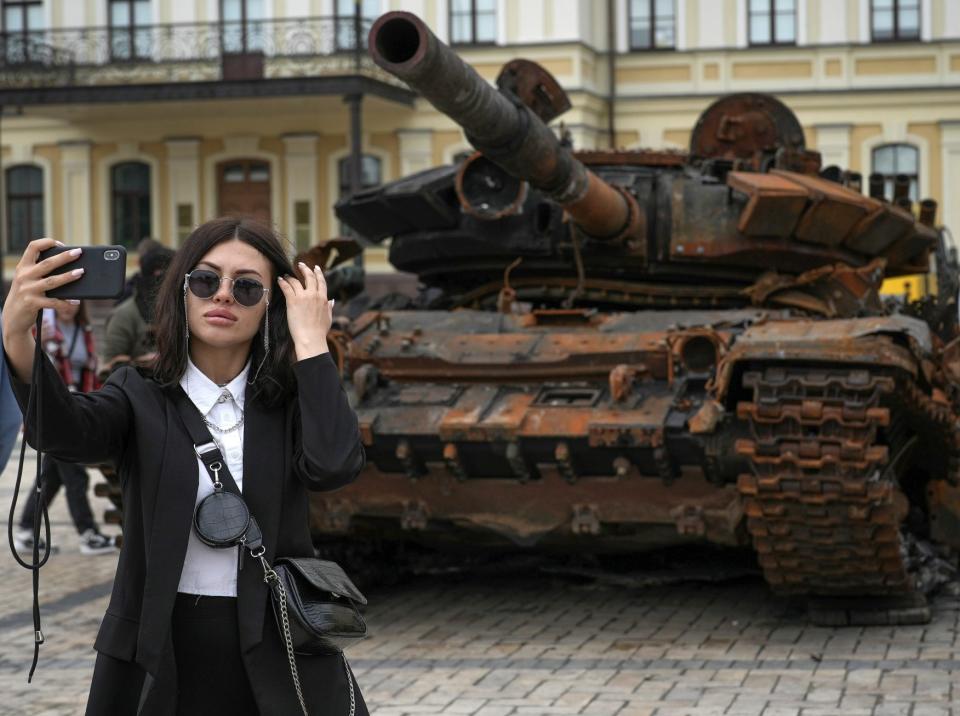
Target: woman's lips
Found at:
x=220, y=318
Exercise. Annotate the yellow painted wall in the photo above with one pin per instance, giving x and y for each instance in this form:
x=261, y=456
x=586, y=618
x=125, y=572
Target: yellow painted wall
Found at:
x=389, y=143
x=327, y=145
x=207, y=148
x=858, y=135
x=51, y=152
x=161, y=224
x=274, y=146
x=442, y=141
x=931, y=182
x=101, y=224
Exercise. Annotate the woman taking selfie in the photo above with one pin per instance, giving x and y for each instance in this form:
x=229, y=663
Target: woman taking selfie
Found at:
x=189, y=629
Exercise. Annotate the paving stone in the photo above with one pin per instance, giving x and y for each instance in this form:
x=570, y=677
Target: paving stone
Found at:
x=532, y=646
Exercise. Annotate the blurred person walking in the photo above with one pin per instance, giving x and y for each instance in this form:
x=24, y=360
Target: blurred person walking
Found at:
x=129, y=334
x=9, y=416
x=68, y=340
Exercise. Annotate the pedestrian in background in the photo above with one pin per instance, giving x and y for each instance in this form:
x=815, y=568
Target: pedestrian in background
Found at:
x=129, y=334
x=68, y=340
x=9, y=416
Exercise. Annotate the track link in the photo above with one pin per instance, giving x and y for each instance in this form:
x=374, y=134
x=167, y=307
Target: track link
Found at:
x=823, y=513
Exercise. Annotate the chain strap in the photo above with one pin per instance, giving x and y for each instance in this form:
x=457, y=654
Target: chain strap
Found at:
x=269, y=575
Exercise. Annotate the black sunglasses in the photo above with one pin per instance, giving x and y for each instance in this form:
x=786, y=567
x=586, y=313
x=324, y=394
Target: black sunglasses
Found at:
x=246, y=291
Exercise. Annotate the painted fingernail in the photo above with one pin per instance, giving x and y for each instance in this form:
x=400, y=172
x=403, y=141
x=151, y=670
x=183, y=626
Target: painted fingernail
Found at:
x=75, y=252
x=59, y=243
x=303, y=264
x=332, y=301
x=77, y=272
x=73, y=301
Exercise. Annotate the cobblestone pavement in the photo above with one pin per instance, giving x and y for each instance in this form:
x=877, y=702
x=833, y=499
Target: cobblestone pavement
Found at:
x=528, y=644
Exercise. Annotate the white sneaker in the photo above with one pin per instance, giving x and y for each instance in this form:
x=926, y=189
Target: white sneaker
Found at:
x=23, y=541
x=92, y=542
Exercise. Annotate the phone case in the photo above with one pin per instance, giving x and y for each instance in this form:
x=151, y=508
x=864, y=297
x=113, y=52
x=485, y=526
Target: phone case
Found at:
x=105, y=271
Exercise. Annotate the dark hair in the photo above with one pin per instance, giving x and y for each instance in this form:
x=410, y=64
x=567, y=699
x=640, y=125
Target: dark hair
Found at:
x=156, y=259
x=276, y=381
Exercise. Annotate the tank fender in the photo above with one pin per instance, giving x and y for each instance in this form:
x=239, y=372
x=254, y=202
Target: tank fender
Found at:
x=870, y=341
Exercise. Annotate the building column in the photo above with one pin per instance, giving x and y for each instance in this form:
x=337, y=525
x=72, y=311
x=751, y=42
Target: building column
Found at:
x=833, y=143
x=416, y=150
x=77, y=180
x=300, y=152
x=183, y=172
x=950, y=163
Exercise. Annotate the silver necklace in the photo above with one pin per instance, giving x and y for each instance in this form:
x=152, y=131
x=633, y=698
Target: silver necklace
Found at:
x=235, y=426
x=213, y=425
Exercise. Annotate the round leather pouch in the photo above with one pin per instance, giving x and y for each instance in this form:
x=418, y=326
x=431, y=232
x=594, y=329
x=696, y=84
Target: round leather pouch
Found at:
x=221, y=519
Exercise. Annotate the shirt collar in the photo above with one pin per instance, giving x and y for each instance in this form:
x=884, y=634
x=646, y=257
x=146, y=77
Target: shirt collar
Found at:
x=205, y=393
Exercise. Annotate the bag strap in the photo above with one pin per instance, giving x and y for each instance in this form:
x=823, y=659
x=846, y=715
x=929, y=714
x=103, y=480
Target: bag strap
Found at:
x=204, y=445
x=209, y=453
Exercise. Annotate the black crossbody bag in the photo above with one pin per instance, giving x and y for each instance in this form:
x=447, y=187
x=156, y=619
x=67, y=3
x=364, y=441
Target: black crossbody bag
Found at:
x=314, y=601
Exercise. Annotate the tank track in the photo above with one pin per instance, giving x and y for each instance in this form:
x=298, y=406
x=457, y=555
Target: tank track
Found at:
x=822, y=509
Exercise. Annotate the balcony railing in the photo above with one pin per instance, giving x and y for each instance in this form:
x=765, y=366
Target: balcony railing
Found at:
x=184, y=52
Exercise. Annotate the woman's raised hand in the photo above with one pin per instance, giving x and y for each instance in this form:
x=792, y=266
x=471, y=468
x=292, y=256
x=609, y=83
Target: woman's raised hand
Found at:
x=309, y=313
x=31, y=281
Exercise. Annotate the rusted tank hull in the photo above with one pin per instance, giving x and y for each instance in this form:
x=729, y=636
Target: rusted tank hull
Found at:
x=600, y=514
x=616, y=432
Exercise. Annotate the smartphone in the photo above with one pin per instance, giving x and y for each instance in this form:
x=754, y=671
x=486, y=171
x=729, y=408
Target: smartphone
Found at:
x=105, y=272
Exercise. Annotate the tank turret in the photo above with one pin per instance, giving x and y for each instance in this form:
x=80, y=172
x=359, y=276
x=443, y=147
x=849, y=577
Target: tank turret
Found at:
x=742, y=218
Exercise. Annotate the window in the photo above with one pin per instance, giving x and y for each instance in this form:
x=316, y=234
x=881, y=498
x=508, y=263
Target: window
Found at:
x=369, y=178
x=242, y=26
x=129, y=35
x=24, y=206
x=773, y=22
x=473, y=22
x=21, y=21
x=130, y=190
x=894, y=20
x=345, y=18
x=651, y=24
x=893, y=159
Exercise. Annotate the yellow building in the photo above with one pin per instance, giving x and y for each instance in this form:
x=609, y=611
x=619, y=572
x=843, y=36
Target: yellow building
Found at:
x=130, y=118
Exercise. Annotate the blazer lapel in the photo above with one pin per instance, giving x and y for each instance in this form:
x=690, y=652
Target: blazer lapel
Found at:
x=172, y=521
x=263, y=473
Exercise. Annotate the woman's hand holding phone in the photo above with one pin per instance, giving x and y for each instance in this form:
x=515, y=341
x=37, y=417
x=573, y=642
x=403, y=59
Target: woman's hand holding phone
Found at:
x=31, y=281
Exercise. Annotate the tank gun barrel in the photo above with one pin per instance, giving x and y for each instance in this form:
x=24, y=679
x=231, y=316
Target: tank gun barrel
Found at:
x=506, y=132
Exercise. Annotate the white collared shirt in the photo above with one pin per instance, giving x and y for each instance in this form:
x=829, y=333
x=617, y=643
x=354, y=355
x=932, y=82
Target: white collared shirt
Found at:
x=207, y=570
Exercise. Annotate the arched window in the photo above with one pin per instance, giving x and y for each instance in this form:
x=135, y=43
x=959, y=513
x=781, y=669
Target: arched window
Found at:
x=24, y=206
x=370, y=176
x=893, y=159
x=369, y=173
x=130, y=207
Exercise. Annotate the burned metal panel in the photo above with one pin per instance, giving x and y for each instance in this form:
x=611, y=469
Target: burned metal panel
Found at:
x=774, y=204
x=549, y=510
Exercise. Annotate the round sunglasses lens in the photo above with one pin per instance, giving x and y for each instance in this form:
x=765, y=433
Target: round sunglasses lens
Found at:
x=204, y=283
x=247, y=291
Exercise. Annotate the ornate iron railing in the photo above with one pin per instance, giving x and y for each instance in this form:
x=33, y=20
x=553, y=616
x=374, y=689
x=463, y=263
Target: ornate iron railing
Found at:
x=298, y=47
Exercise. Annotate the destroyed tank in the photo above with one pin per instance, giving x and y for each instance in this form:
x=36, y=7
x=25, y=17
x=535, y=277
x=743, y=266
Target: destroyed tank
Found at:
x=618, y=351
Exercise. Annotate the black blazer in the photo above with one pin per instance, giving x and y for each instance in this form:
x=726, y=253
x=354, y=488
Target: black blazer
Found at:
x=313, y=443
